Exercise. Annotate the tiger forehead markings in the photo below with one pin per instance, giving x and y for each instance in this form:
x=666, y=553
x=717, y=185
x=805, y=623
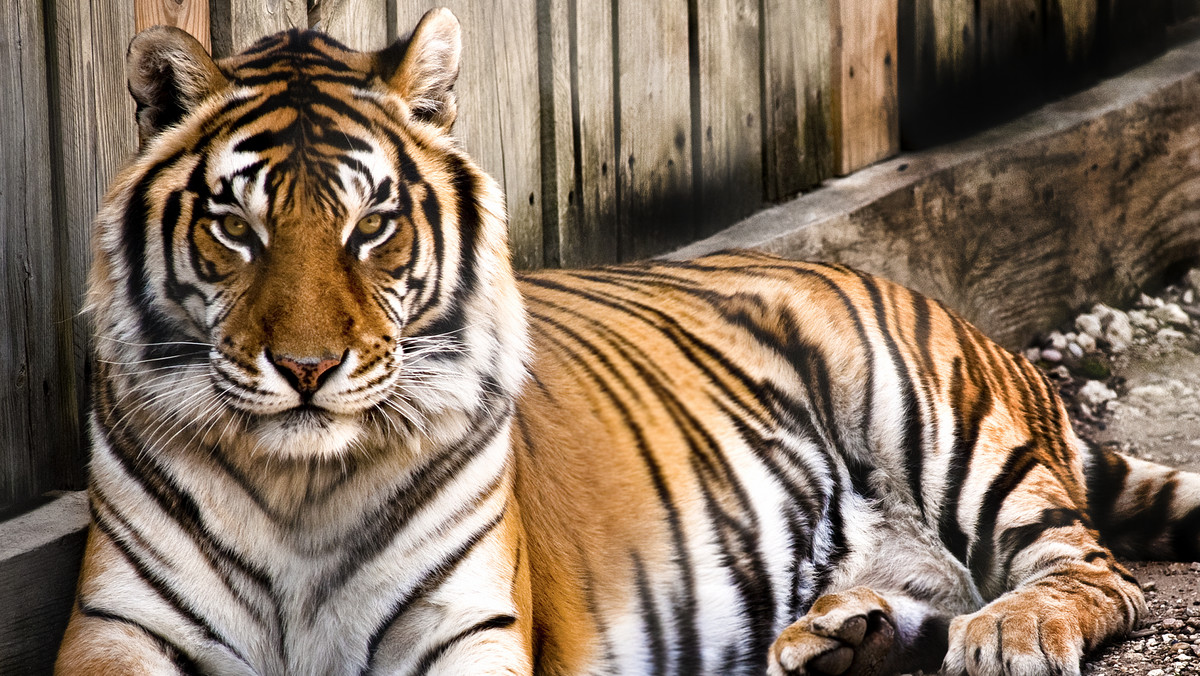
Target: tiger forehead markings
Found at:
x=332, y=433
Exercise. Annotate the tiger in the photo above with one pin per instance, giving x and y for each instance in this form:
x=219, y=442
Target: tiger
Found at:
x=333, y=432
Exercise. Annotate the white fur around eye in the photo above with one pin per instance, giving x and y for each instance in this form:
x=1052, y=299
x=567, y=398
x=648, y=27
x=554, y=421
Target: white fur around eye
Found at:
x=241, y=248
x=386, y=230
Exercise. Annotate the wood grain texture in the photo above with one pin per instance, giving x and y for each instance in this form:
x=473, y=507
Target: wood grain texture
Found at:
x=1071, y=37
x=1085, y=200
x=94, y=136
x=39, y=425
x=1010, y=40
x=359, y=24
x=236, y=24
x=728, y=136
x=190, y=15
x=938, y=69
x=865, y=103
x=581, y=145
x=797, y=79
x=39, y=563
x=498, y=106
x=655, y=195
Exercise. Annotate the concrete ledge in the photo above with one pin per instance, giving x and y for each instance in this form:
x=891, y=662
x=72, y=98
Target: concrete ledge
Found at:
x=1084, y=200
x=39, y=563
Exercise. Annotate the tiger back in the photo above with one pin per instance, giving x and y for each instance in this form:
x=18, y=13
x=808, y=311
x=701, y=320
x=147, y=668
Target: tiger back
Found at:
x=333, y=433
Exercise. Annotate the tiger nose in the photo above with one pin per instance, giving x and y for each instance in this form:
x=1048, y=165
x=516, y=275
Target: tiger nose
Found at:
x=304, y=374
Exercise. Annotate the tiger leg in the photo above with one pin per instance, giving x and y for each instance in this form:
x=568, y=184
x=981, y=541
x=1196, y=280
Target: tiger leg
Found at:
x=1144, y=510
x=1067, y=594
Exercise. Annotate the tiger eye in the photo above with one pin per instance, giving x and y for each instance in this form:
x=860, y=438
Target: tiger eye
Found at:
x=235, y=227
x=369, y=225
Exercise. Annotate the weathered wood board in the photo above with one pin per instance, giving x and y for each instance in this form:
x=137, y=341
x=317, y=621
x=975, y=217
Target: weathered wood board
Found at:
x=654, y=170
x=359, y=24
x=38, y=426
x=1084, y=200
x=237, y=24
x=189, y=15
x=498, y=106
x=797, y=79
x=866, y=124
x=579, y=151
x=40, y=553
x=938, y=66
x=727, y=136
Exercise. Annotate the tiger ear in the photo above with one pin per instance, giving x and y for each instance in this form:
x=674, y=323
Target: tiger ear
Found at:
x=427, y=66
x=169, y=75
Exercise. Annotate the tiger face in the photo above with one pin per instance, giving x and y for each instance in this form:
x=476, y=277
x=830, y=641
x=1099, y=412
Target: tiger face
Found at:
x=300, y=240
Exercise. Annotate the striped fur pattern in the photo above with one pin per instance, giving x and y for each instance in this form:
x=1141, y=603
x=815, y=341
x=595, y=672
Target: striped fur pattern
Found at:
x=332, y=433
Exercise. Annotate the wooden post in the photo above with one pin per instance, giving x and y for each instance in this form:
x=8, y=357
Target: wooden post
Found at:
x=236, y=24
x=499, y=106
x=40, y=445
x=797, y=77
x=190, y=15
x=654, y=126
x=865, y=103
x=728, y=135
x=359, y=24
x=579, y=149
x=1070, y=38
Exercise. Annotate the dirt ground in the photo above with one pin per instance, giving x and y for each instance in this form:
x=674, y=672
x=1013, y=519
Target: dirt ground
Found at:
x=1149, y=406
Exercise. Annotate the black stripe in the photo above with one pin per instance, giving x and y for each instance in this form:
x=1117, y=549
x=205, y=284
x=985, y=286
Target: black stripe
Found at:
x=650, y=619
x=432, y=655
x=178, y=656
x=429, y=582
x=1021, y=460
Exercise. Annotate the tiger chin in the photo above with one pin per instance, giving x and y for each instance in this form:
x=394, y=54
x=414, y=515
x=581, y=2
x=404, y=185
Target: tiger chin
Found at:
x=333, y=433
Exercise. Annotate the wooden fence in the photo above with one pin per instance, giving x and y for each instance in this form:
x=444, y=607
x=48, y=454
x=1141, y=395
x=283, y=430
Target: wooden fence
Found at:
x=618, y=128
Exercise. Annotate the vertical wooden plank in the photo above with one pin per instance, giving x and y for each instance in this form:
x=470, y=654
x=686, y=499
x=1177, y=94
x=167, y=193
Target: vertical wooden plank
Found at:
x=729, y=138
x=581, y=150
x=94, y=135
x=498, y=105
x=190, y=15
x=1010, y=45
x=796, y=97
x=236, y=24
x=654, y=170
x=39, y=444
x=865, y=103
x=937, y=70
x=359, y=24
x=1070, y=48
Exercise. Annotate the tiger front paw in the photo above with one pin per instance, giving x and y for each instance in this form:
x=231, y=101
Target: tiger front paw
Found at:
x=849, y=633
x=1015, y=636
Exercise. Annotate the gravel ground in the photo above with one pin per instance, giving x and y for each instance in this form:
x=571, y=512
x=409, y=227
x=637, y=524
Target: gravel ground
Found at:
x=1131, y=379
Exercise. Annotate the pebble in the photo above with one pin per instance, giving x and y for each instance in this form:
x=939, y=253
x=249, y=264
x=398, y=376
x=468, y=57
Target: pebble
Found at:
x=1075, y=350
x=1192, y=278
x=1033, y=354
x=1169, y=335
x=1057, y=341
x=1086, y=341
x=1052, y=355
x=1189, y=297
x=1089, y=325
x=1156, y=672
x=1094, y=393
x=1172, y=623
x=1140, y=319
x=1171, y=313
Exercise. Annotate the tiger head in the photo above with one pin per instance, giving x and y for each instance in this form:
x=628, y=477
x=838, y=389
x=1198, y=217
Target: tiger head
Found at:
x=300, y=254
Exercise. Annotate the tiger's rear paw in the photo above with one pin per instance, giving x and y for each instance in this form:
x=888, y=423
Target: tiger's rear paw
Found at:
x=850, y=633
x=1013, y=636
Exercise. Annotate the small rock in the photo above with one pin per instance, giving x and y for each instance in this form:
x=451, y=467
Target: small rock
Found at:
x=1189, y=297
x=1086, y=341
x=1171, y=313
x=1052, y=355
x=1156, y=672
x=1075, y=350
x=1149, y=392
x=1142, y=320
x=1033, y=354
x=1060, y=372
x=1169, y=335
x=1192, y=279
x=1149, y=585
x=1119, y=332
x=1057, y=341
x=1172, y=624
x=1094, y=393
x=1089, y=325
x=1194, y=567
